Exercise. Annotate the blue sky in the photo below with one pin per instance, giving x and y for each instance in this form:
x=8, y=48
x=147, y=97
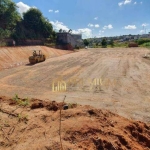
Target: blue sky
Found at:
x=94, y=18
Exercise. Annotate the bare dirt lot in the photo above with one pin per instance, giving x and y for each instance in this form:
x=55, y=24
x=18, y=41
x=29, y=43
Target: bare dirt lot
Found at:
x=115, y=80
x=124, y=74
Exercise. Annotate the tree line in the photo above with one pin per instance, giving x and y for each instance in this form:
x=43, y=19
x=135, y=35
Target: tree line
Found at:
x=103, y=43
x=29, y=25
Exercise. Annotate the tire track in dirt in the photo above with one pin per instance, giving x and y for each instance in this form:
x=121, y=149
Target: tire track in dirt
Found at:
x=124, y=72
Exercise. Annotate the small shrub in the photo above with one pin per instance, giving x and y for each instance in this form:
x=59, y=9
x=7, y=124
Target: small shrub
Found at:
x=122, y=44
x=142, y=41
x=16, y=98
x=72, y=105
x=22, y=118
x=21, y=102
x=146, y=44
x=77, y=47
x=111, y=43
x=104, y=43
x=24, y=102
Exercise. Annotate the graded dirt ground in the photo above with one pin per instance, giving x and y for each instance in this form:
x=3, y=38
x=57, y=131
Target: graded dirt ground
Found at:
x=15, y=56
x=124, y=74
x=33, y=124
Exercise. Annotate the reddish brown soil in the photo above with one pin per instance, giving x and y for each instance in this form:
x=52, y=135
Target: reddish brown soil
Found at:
x=36, y=127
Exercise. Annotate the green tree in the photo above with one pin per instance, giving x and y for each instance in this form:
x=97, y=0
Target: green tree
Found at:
x=111, y=43
x=8, y=18
x=33, y=26
x=97, y=43
x=142, y=41
x=53, y=36
x=3, y=34
x=86, y=42
x=8, y=15
x=21, y=32
x=46, y=28
x=104, y=43
x=70, y=31
x=60, y=31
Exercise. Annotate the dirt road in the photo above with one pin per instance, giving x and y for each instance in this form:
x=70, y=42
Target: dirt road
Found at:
x=120, y=80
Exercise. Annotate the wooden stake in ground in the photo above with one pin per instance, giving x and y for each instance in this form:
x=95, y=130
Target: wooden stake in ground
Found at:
x=61, y=146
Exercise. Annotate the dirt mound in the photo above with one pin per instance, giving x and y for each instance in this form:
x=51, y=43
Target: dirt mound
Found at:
x=16, y=56
x=37, y=125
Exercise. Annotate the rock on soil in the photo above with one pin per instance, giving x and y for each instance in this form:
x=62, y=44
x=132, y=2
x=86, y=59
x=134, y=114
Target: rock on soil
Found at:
x=38, y=126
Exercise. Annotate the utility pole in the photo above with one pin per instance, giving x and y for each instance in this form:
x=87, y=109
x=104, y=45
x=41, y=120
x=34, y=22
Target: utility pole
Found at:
x=143, y=30
x=92, y=33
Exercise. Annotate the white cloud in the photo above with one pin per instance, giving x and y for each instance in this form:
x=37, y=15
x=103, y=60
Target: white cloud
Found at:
x=97, y=26
x=108, y=27
x=101, y=31
x=90, y=25
x=124, y=2
x=96, y=18
x=145, y=24
x=127, y=2
x=22, y=7
x=142, y=31
x=141, y=2
x=56, y=11
x=50, y=10
x=120, y=3
x=59, y=25
x=135, y=3
x=131, y=27
x=86, y=32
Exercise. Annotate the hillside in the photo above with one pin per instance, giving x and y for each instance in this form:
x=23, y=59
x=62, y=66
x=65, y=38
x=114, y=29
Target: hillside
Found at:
x=16, y=56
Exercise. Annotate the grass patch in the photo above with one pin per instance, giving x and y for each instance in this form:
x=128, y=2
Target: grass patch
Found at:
x=72, y=105
x=53, y=45
x=21, y=102
x=23, y=118
x=147, y=45
x=121, y=44
x=143, y=41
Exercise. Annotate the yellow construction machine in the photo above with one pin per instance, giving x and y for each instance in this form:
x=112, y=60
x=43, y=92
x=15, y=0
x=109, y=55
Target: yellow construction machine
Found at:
x=36, y=58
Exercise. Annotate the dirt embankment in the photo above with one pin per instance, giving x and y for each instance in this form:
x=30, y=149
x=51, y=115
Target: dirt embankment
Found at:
x=16, y=56
x=35, y=124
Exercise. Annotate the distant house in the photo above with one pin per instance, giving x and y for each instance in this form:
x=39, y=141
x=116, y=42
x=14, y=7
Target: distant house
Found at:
x=145, y=36
x=121, y=40
x=136, y=37
x=66, y=38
